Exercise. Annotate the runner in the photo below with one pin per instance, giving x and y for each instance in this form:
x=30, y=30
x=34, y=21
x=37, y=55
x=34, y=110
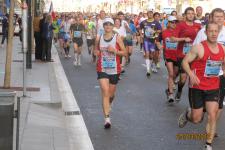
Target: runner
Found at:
x=188, y=30
x=217, y=16
x=129, y=38
x=100, y=29
x=124, y=28
x=205, y=61
x=151, y=29
x=199, y=17
x=90, y=36
x=61, y=22
x=76, y=32
x=158, y=47
x=110, y=46
x=66, y=43
x=170, y=42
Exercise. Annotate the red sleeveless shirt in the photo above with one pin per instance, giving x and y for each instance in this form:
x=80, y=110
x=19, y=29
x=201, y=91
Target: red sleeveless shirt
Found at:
x=207, y=68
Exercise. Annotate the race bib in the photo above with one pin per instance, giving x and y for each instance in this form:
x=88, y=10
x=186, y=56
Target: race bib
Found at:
x=108, y=62
x=89, y=37
x=67, y=36
x=186, y=48
x=149, y=32
x=171, y=45
x=129, y=36
x=212, y=68
x=77, y=34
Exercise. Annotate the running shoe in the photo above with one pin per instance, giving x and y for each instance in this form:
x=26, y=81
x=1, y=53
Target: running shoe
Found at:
x=170, y=98
x=182, y=120
x=154, y=70
x=107, y=124
x=75, y=63
x=148, y=74
x=178, y=96
x=207, y=147
x=68, y=56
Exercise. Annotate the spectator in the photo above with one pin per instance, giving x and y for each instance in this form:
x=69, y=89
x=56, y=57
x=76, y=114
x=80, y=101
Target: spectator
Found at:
x=5, y=26
x=37, y=37
x=47, y=36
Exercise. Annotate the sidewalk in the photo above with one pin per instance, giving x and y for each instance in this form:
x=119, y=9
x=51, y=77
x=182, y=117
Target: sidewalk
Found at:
x=43, y=125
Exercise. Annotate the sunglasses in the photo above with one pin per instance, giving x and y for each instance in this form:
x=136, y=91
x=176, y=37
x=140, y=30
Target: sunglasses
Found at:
x=108, y=24
x=173, y=22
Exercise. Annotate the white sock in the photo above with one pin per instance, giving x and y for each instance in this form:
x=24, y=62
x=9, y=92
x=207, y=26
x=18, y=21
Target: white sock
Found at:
x=147, y=61
x=75, y=56
x=78, y=58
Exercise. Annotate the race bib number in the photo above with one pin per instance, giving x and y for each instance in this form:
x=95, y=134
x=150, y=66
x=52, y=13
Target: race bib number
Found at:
x=77, y=34
x=171, y=45
x=109, y=62
x=212, y=68
x=186, y=48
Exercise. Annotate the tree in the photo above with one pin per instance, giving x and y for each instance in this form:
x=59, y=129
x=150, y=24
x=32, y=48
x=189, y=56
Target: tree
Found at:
x=7, y=77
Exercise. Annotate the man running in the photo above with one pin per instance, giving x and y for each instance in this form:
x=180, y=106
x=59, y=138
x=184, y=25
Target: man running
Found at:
x=151, y=29
x=170, y=42
x=218, y=17
x=187, y=29
x=203, y=64
x=76, y=32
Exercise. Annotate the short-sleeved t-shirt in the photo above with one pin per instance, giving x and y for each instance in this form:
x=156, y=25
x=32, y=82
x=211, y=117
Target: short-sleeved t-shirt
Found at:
x=185, y=31
x=150, y=28
x=77, y=30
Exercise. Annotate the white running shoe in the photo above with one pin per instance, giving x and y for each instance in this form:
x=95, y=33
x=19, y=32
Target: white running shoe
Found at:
x=75, y=63
x=207, y=147
x=107, y=124
x=154, y=70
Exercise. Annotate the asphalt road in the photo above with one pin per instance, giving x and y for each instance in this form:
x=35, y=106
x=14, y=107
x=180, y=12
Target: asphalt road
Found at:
x=141, y=118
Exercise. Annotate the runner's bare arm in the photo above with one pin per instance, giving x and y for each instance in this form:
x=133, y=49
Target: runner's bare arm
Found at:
x=96, y=50
x=190, y=57
x=176, y=39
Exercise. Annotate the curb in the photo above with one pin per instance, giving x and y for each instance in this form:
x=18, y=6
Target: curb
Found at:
x=77, y=132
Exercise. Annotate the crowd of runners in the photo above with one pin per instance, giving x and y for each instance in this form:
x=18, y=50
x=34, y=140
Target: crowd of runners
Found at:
x=192, y=46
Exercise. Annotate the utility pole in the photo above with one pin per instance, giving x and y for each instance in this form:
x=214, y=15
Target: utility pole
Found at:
x=7, y=78
x=30, y=35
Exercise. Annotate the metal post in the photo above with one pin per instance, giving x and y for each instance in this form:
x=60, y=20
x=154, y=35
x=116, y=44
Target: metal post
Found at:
x=24, y=44
x=18, y=124
x=29, y=40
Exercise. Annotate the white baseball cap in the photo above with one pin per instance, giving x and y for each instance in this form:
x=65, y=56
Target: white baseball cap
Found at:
x=172, y=18
x=110, y=20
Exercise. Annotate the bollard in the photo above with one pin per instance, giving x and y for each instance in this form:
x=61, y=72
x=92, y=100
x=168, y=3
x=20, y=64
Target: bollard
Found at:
x=7, y=101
